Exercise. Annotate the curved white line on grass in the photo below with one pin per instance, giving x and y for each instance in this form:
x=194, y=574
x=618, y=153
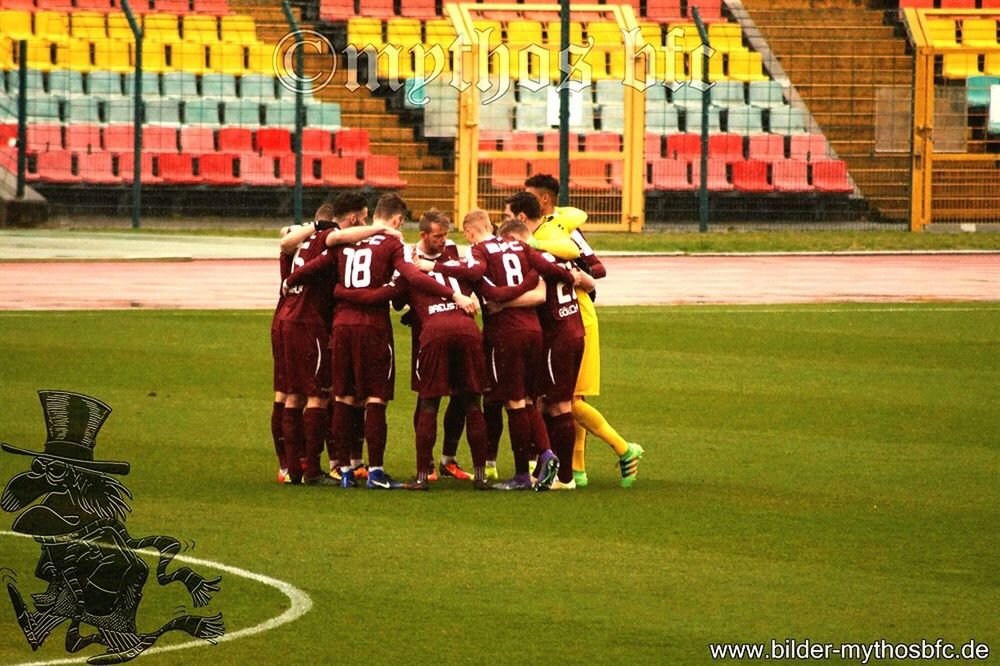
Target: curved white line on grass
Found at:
x=301, y=603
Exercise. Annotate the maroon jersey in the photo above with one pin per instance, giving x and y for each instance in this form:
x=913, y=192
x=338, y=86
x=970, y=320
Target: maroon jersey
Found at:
x=436, y=316
x=499, y=264
x=560, y=314
x=310, y=301
x=449, y=253
x=369, y=265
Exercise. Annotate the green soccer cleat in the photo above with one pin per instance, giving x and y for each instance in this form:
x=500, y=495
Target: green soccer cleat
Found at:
x=580, y=478
x=629, y=464
x=492, y=474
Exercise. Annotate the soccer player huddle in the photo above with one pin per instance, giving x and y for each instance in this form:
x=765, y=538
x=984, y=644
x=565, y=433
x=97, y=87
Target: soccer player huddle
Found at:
x=536, y=358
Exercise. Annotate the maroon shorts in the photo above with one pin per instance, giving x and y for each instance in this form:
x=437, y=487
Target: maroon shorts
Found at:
x=513, y=365
x=414, y=352
x=278, y=357
x=451, y=365
x=364, y=362
x=306, y=357
x=562, y=364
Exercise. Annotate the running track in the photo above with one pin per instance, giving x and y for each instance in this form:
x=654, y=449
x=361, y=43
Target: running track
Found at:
x=251, y=284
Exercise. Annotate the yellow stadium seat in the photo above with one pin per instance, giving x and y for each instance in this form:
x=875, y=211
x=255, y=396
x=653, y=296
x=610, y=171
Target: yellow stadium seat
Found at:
x=260, y=59
x=239, y=29
x=942, y=32
x=652, y=33
x=726, y=37
x=979, y=33
x=404, y=33
x=7, y=54
x=716, y=70
x=598, y=61
x=746, y=66
x=40, y=54
x=201, y=29
x=495, y=36
x=119, y=29
x=363, y=31
x=113, y=55
x=439, y=31
x=89, y=25
x=226, y=58
x=188, y=57
x=523, y=33
x=686, y=36
x=74, y=54
x=616, y=70
x=960, y=65
x=161, y=28
x=605, y=34
x=53, y=26
x=16, y=25
x=554, y=33
x=154, y=58
x=992, y=66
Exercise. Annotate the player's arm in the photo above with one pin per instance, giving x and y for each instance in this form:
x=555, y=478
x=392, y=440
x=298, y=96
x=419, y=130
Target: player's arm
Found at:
x=563, y=248
x=548, y=269
x=568, y=217
x=318, y=268
x=369, y=296
x=588, y=260
x=421, y=281
x=530, y=299
x=355, y=234
x=471, y=270
x=493, y=294
x=295, y=234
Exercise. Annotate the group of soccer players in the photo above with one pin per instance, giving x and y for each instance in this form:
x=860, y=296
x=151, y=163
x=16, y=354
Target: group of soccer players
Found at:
x=536, y=358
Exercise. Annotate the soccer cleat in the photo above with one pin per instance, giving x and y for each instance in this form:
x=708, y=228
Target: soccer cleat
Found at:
x=283, y=476
x=379, y=480
x=453, y=470
x=580, y=478
x=559, y=485
x=492, y=474
x=548, y=468
x=347, y=481
x=335, y=474
x=417, y=484
x=532, y=465
x=321, y=480
x=629, y=464
x=482, y=485
x=432, y=474
x=361, y=472
x=516, y=482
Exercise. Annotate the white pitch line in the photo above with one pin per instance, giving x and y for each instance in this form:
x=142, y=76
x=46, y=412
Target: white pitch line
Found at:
x=301, y=603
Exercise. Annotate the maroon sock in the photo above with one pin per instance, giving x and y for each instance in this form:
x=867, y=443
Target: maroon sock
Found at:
x=315, y=425
x=454, y=421
x=426, y=431
x=291, y=426
x=357, y=447
x=539, y=435
x=330, y=447
x=493, y=412
x=562, y=433
x=375, y=433
x=476, y=432
x=343, y=432
x=277, y=414
x=520, y=438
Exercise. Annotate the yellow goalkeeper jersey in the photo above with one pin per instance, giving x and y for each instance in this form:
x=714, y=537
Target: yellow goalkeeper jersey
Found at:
x=554, y=236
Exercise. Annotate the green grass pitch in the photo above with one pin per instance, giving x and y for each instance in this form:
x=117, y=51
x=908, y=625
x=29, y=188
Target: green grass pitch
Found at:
x=821, y=472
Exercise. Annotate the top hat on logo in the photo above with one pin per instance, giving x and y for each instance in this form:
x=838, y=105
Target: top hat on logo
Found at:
x=72, y=421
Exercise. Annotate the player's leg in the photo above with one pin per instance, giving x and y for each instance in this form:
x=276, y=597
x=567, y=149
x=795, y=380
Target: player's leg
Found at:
x=563, y=363
x=580, y=455
x=426, y=434
x=293, y=430
x=277, y=435
x=493, y=415
x=316, y=418
x=374, y=362
x=547, y=463
x=478, y=439
x=342, y=429
x=454, y=423
x=343, y=387
x=357, y=448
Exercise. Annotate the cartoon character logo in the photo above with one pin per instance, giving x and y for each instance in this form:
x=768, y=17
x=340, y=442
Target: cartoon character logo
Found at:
x=89, y=560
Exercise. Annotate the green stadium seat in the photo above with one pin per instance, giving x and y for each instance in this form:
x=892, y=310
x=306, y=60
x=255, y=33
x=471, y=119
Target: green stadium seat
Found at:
x=257, y=87
x=202, y=112
x=692, y=120
x=180, y=84
x=662, y=120
x=613, y=118
x=979, y=90
x=528, y=118
x=728, y=94
x=527, y=96
x=787, y=121
x=150, y=84
x=745, y=120
x=326, y=115
x=41, y=108
x=218, y=86
x=65, y=82
x=33, y=83
x=243, y=112
x=82, y=110
x=104, y=85
x=688, y=96
x=279, y=113
x=163, y=111
x=767, y=94
x=119, y=110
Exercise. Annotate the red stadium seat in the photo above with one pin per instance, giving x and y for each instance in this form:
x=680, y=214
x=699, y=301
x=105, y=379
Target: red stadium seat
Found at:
x=726, y=147
x=336, y=10
x=751, y=176
x=236, y=140
x=177, y=169
x=383, y=171
x=958, y=4
x=991, y=4
x=664, y=11
x=710, y=10
x=670, y=175
x=159, y=139
x=916, y=4
x=286, y=167
x=316, y=141
x=684, y=146
x=58, y=5
x=95, y=5
x=258, y=170
x=521, y=142
x=197, y=140
x=273, y=141
x=831, y=176
x=381, y=9
x=550, y=142
x=118, y=138
x=54, y=166
x=213, y=7
x=809, y=147
x=790, y=176
x=767, y=147
x=20, y=5
x=339, y=171
x=179, y=7
x=217, y=169
x=351, y=142
x=589, y=175
x=718, y=180
x=43, y=138
x=83, y=138
x=604, y=142
x=509, y=174
x=125, y=169
x=654, y=145
x=418, y=9
x=97, y=168
x=550, y=167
